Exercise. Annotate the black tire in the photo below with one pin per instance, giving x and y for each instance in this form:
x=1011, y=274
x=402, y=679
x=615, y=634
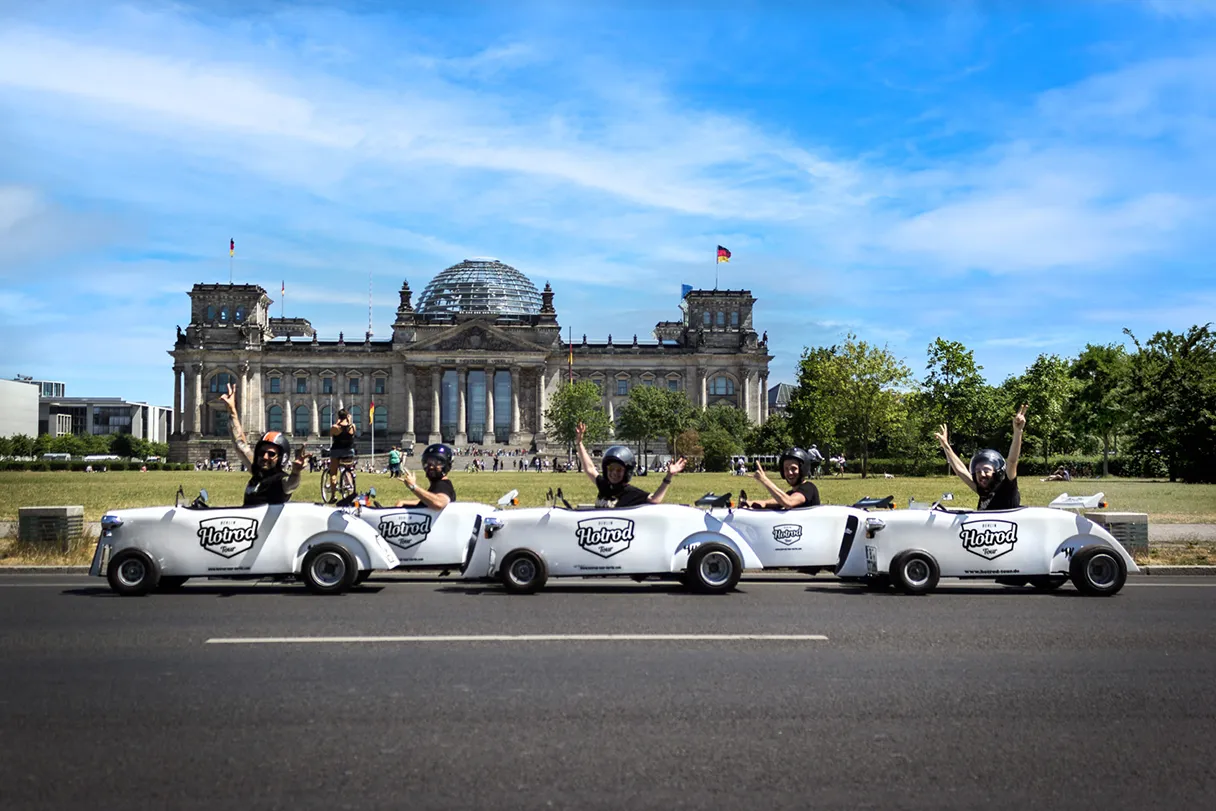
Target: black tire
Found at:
x=914, y=572
x=328, y=569
x=327, y=488
x=523, y=572
x=1048, y=582
x=132, y=573
x=362, y=576
x=171, y=582
x=1098, y=571
x=1016, y=582
x=713, y=568
x=346, y=482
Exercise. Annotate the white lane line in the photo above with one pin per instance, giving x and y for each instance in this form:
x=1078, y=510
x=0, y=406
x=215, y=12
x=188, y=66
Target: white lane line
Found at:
x=289, y=640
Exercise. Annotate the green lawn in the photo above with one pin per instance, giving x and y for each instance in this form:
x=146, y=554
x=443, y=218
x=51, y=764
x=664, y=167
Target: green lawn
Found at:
x=98, y=492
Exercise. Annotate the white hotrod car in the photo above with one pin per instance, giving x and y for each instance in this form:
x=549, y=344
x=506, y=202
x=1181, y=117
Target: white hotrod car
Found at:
x=423, y=538
x=330, y=549
x=1039, y=546
x=524, y=548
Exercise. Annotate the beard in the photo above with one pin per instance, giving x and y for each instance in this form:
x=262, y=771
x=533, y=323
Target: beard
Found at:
x=433, y=475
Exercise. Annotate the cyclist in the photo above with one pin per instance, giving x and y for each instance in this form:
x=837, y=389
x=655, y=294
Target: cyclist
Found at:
x=795, y=465
x=342, y=444
x=269, y=481
x=436, y=464
x=613, y=488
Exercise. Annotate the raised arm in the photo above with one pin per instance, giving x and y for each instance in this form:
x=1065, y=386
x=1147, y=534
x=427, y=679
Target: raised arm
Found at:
x=956, y=464
x=779, y=499
x=1015, y=447
x=673, y=469
x=583, y=456
x=436, y=501
x=297, y=465
x=234, y=425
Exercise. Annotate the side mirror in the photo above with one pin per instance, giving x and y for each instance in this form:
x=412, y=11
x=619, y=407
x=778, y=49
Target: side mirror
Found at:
x=371, y=492
x=203, y=495
x=509, y=498
x=947, y=496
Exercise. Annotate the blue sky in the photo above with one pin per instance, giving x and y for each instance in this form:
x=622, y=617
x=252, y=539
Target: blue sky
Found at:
x=1022, y=177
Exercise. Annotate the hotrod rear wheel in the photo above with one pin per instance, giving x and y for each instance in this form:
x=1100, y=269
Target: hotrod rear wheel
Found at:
x=915, y=572
x=523, y=572
x=328, y=569
x=713, y=568
x=132, y=573
x=1098, y=571
x=1048, y=582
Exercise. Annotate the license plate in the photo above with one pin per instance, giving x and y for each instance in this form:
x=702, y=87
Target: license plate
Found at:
x=872, y=560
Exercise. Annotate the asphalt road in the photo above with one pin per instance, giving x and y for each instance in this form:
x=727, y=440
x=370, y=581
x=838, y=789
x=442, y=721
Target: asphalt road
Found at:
x=974, y=697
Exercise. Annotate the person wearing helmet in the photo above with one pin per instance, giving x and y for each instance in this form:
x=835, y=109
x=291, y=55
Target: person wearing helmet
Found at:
x=612, y=487
x=269, y=481
x=795, y=465
x=436, y=464
x=990, y=475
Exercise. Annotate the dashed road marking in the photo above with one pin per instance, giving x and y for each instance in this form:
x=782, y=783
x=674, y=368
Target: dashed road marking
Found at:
x=292, y=640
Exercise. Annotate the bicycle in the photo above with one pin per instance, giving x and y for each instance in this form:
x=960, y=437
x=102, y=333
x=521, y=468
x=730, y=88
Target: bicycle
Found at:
x=345, y=485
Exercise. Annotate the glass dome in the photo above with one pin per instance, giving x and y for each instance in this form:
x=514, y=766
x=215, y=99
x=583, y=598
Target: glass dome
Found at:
x=481, y=285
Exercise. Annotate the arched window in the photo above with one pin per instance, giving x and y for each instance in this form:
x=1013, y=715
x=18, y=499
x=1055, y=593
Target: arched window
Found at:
x=219, y=422
x=356, y=416
x=210, y=312
x=326, y=419
x=239, y=315
x=734, y=318
x=380, y=421
x=721, y=385
x=706, y=318
x=224, y=313
x=721, y=319
x=301, y=424
x=274, y=418
x=219, y=383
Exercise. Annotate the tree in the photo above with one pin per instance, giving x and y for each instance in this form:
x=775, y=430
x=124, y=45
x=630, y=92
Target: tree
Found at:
x=22, y=445
x=42, y=444
x=688, y=445
x=770, y=439
x=954, y=391
x=719, y=448
x=1172, y=395
x=811, y=416
x=654, y=413
x=1045, y=388
x=6, y=447
x=122, y=445
x=726, y=417
x=573, y=403
x=1098, y=404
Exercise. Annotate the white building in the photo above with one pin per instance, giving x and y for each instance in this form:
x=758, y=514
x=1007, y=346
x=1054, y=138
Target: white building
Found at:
x=18, y=408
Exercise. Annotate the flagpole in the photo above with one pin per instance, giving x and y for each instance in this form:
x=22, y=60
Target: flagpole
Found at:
x=717, y=262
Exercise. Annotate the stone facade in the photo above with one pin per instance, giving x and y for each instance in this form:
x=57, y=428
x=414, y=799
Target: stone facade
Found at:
x=466, y=378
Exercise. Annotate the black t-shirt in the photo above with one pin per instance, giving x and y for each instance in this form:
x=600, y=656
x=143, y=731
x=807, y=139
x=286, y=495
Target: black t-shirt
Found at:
x=626, y=495
x=266, y=489
x=1005, y=497
x=443, y=486
x=345, y=440
x=809, y=491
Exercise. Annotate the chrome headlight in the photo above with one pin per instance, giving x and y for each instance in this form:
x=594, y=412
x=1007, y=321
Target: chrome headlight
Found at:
x=109, y=523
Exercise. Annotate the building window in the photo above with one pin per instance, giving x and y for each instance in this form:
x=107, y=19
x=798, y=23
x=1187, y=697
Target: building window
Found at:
x=239, y=315
x=301, y=385
x=223, y=313
x=648, y=383
x=706, y=318
x=622, y=387
x=111, y=420
x=380, y=421
x=734, y=319
x=354, y=385
x=673, y=385
x=219, y=423
x=210, y=312
x=722, y=385
x=327, y=385
x=219, y=383
x=326, y=420
x=275, y=385
x=356, y=416
x=274, y=418
x=301, y=425
x=721, y=319
x=379, y=389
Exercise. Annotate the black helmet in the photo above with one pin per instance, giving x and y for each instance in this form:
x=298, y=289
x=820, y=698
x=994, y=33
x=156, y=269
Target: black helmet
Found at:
x=622, y=456
x=279, y=440
x=441, y=452
x=989, y=457
x=801, y=457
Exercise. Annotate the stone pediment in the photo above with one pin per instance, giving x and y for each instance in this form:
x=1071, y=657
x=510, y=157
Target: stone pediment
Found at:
x=473, y=337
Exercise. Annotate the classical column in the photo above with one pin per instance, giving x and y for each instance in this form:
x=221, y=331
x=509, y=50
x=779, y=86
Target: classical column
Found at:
x=177, y=400
x=541, y=401
x=763, y=399
x=489, y=438
x=242, y=392
x=407, y=438
x=314, y=387
x=704, y=378
x=288, y=417
x=514, y=438
x=462, y=382
x=435, y=436
x=746, y=394
x=197, y=401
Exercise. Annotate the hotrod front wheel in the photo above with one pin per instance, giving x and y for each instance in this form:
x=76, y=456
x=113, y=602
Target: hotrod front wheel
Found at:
x=523, y=572
x=328, y=569
x=713, y=569
x=132, y=573
x=914, y=572
x=1098, y=571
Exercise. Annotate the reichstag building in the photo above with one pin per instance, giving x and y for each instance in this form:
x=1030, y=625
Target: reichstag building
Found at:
x=474, y=362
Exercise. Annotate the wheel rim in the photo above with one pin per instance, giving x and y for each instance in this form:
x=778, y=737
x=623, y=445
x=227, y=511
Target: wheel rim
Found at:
x=522, y=571
x=132, y=572
x=715, y=568
x=916, y=572
x=328, y=569
x=1102, y=571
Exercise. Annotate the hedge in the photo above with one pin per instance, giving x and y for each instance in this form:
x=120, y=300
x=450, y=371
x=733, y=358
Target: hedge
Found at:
x=1078, y=466
x=78, y=466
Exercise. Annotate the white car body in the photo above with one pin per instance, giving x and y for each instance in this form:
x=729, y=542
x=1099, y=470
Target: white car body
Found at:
x=423, y=538
x=656, y=539
x=239, y=542
x=802, y=538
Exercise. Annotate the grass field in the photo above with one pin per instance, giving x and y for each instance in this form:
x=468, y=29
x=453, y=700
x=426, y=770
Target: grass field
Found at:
x=1164, y=502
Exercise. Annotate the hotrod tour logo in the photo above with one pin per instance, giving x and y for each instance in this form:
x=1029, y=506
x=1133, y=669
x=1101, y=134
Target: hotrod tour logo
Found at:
x=988, y=538
x=605, y=536
x=788, y=534
x=405, y=530
x=227, y=537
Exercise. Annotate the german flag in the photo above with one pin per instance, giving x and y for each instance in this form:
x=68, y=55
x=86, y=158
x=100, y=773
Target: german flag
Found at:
x=231, y=246
x=723, y=255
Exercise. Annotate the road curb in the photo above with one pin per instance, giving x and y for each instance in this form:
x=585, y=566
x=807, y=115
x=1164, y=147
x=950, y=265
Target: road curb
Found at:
x=44, y=569
x=1205, y=571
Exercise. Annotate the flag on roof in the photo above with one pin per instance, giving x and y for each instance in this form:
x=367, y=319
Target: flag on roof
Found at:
x=685, y=289
x=723, y=254
x=231, y=246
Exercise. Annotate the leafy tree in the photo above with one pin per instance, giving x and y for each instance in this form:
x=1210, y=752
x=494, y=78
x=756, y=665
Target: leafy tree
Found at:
x=1172, y=394
x=771, y=438
x=868, y=403
x=69, y=443
x=22, y=445
x=6, y=446
x=1045, y=388
x=719, y=446
x=954, y=392
x=654, y=413
x=573, y=403
x=730, y=419
x=688, y=445
x=122, y=445
x=1098, y=404
x=811, y=417
x=42, y=444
